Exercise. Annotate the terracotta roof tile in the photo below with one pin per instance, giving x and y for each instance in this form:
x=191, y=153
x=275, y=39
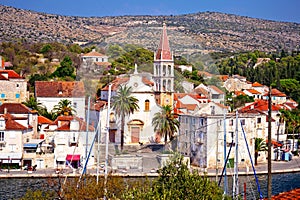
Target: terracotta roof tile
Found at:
x=216, y=89
x=116, y=83
x=11, y=74
x=59, y=89
x=256, y=84
x=65, y=123
x=147, y=81
x=253, y=91
x=15, y=108
x=11, y=124
x=93, y=54
x=44, y=120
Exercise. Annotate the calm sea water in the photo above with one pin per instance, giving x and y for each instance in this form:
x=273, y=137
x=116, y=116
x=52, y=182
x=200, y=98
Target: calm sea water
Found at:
x=15, y=188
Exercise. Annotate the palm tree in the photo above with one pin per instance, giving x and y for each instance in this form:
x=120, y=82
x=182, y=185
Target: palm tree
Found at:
x=260, y=145
x=124, y=104
x=64, y=107
x=165, y=123
x=34, y=105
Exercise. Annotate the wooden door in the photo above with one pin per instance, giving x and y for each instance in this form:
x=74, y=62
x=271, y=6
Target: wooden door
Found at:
x=135, y=134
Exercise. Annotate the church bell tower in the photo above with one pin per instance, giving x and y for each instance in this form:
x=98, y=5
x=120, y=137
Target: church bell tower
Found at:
x=163, y=71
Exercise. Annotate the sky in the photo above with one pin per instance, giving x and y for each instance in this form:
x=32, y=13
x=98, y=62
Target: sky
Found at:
x=278, y=10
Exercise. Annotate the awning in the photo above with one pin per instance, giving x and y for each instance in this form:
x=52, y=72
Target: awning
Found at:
x=60, y=159
x=275, y=143
x=30, y=145
x=33, y=143
x=10, y=157
x=74, y=157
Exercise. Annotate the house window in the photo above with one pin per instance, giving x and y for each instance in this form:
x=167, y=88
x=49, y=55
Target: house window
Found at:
x=2, y=96
x=243, y=122
x=1, y=136
x=201, y=122
x=12, y=147
x=17, y=85
x=231, y=122
x=186, y=120
x=17, y=96
x=147, y=105
x=2, y=147
x=75, y=104
x=259, y=120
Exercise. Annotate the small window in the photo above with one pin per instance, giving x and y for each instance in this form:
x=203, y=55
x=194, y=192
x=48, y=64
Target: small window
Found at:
x=1, y=136
x=17, y=96
x=259, y=120
x=75, y=104
x=17, y=85
x=147, y=105
x=231, y=122
x=243, y=122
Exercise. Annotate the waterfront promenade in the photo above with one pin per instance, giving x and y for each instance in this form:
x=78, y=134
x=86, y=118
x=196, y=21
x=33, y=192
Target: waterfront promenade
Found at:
x=261, y=168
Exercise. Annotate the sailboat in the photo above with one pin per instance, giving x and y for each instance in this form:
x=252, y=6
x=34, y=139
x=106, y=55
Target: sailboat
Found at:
x=235, y=187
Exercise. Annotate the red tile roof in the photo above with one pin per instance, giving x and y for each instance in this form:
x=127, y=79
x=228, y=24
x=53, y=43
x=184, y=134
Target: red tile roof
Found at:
x=65, y=123
x=238, y=93
x=275, y=93
x=44, y=120
x=215, y=88
x=147, y=81
x=11, y=74
x=261, y=105
x=256, y=84
x=11, y=124
x=15, y=108
x=292, y=194
x=253, y=91
x=59, y=89
x=93, y=54
x=163, y=51
x=116, y=83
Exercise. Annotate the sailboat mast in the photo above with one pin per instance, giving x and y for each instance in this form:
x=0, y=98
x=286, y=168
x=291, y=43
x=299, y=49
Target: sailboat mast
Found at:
x=87, y=129
x=225, y=155
x=235, y=187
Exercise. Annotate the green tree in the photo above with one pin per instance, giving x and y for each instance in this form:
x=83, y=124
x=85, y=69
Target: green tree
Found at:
x=65, y=69
x=124, y=104
x=260, y=145
x=175, y=181
x=64, y=107
x=165, y=123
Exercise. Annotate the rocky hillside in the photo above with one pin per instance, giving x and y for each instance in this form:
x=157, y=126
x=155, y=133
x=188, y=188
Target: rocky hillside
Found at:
x=199, y=32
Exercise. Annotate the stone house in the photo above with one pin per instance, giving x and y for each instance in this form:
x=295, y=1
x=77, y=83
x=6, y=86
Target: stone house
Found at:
x=13, y=87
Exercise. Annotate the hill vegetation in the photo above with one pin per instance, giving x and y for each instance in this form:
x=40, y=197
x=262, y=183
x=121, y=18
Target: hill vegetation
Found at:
x=201, y=32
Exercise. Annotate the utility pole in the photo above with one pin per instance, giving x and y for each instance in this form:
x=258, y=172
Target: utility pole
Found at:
x=269, y=145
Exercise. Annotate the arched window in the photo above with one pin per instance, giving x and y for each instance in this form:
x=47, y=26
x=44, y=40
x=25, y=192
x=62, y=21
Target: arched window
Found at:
x=147, y=105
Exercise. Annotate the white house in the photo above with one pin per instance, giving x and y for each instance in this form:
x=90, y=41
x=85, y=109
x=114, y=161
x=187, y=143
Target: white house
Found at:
x=11, y=141
x=94, y=61
x=50, y=93
x=73, y=142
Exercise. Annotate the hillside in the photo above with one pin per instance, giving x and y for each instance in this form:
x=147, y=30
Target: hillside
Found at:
x=199, y=32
